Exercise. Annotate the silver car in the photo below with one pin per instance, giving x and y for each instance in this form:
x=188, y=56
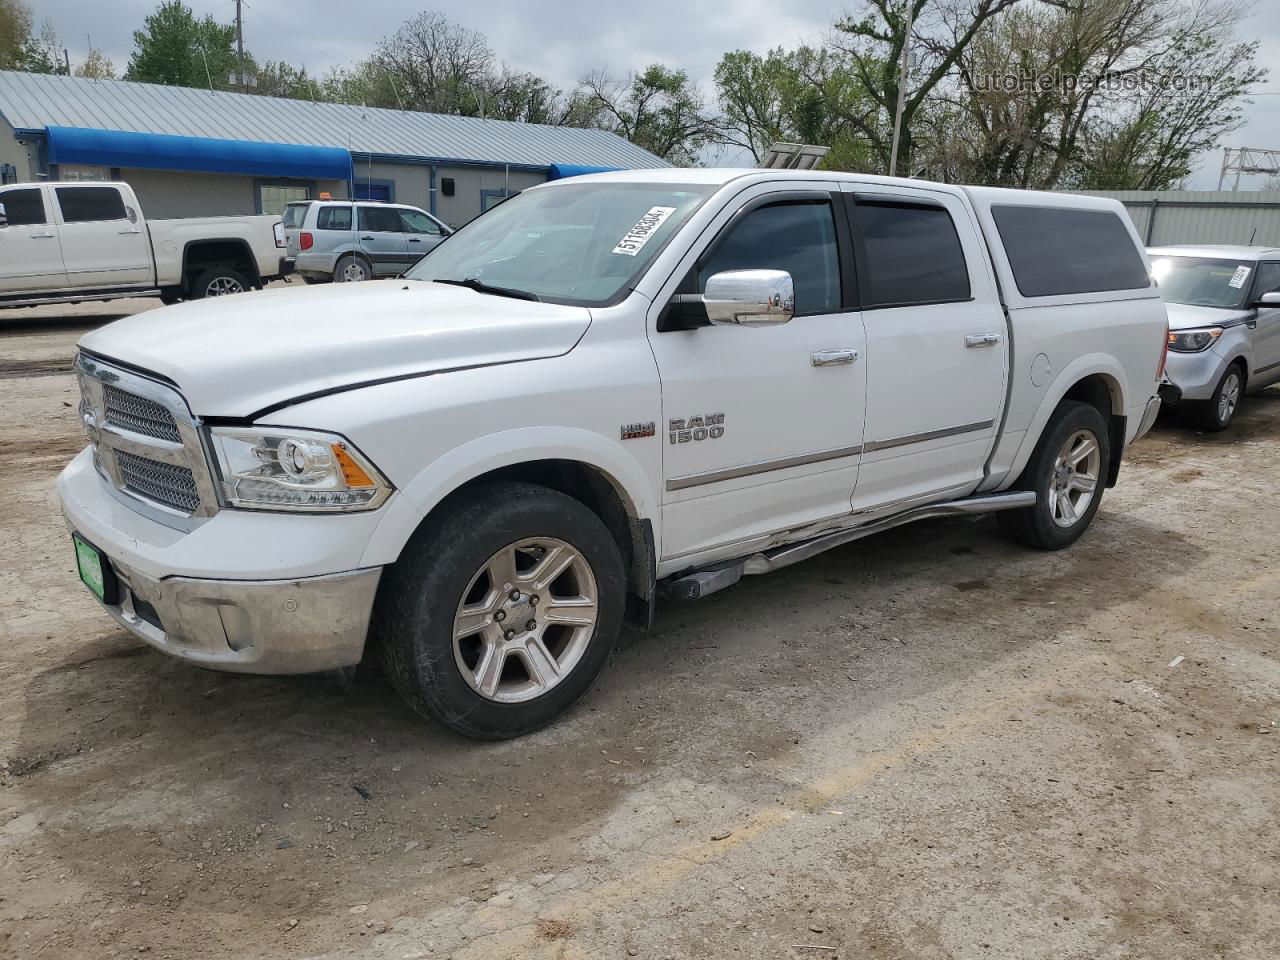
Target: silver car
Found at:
x=1224, y=324
x=336, y=240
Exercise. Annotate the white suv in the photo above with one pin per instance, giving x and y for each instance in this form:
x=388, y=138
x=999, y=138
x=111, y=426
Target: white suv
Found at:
x=325, y=242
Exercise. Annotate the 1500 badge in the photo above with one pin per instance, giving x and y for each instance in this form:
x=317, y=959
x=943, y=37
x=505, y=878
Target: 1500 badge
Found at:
x=701, y=427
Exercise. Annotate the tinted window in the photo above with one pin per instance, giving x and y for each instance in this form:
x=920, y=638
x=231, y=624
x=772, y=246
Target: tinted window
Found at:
x=23, y=207
x=1055, y=251
x=87, y=204
x=1268, y=278
x=913, y=255
x=797, y=237
x=379, y=219
x=415, y=221
x=334, y=218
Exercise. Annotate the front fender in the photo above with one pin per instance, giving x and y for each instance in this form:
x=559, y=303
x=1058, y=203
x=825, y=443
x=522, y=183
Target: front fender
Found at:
x=508, y=448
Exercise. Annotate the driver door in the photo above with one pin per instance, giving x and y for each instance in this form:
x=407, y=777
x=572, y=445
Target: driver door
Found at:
x=762, y=426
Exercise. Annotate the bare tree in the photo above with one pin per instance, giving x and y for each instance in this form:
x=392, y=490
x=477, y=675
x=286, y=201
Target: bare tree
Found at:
x=436, y=66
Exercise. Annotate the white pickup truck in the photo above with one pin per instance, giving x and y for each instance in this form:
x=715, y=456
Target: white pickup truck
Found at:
x=603, y=390
x=68, y=242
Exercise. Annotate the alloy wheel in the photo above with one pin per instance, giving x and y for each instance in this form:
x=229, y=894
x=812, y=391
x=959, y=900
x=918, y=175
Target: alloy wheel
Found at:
x=223, y=286
x=1073, y=482
x=1229, y=397
x=525, y=620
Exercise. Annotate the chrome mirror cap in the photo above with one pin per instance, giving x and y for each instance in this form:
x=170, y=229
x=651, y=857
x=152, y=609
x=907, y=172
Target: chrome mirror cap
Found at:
x=750, y=298
x=4, y=219
x=1271, y=299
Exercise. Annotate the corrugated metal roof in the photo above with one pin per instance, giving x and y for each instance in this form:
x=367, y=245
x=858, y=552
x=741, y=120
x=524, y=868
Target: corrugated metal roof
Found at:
x=34, y=101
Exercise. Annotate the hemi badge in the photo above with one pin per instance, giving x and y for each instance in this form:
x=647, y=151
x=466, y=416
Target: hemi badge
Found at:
x=634, y=431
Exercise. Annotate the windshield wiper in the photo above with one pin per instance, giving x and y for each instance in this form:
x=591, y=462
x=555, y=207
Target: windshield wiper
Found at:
x=479, y=286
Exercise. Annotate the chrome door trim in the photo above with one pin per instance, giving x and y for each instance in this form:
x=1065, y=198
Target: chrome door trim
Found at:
x=764, y=466
x=889, y=444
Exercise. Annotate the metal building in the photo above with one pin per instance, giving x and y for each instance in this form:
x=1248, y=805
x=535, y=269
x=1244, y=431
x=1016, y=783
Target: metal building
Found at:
x=1202, y=216
x=190, y=152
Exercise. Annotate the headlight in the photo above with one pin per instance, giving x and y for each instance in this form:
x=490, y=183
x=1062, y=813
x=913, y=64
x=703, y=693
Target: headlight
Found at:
x=1193, y=341
x=269, y=469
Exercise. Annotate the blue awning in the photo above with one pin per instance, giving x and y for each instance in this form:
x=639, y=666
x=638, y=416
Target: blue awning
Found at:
x=154, y=151
x=561, y=170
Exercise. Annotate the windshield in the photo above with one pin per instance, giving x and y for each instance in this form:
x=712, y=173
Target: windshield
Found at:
x=293, y=215
x=1202, y=281
x=583, y=244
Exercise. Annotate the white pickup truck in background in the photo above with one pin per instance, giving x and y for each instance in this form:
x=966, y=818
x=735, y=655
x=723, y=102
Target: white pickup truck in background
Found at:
x=603, y=389
x=68, y=242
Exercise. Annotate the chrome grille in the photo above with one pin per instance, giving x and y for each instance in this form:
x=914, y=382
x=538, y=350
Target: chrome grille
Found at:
x=139, y=415
x=147, y=445
x=165, y=483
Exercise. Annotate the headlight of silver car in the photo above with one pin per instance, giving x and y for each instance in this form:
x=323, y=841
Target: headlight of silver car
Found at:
x=1193, y=341
x=285, y=469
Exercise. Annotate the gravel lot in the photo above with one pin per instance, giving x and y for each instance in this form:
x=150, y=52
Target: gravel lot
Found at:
x=928, y=744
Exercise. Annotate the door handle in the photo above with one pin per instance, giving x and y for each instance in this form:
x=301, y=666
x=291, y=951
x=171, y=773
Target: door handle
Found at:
x=124, y=232
x=414, y=240
x=366, y=238
x=982, y=340
x=830, y=358
x=42, y=236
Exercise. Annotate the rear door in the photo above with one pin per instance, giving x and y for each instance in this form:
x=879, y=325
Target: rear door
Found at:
x=382, y=239
x=30, y=254
x=937, y=350
x=103, y=243
x=421, y=231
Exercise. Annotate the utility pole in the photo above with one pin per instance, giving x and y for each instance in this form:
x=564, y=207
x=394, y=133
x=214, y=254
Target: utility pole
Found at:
x=239, y=47
x=902, y=86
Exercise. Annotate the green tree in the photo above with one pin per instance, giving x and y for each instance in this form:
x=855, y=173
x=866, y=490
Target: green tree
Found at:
x=658, y=109
x=177, y=49
x=805, y=95
x=15, y=34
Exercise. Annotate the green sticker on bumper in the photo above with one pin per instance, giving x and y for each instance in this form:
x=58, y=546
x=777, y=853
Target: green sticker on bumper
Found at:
x=89, y=563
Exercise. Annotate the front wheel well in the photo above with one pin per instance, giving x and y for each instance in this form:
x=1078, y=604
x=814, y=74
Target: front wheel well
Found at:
x=600, y=494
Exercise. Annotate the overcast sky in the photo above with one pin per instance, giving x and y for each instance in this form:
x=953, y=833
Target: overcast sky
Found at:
x=561, y=39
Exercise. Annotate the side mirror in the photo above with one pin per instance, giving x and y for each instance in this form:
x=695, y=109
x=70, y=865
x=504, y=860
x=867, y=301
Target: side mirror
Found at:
x=1271, y=299
x=4, y=217
x=750, y=298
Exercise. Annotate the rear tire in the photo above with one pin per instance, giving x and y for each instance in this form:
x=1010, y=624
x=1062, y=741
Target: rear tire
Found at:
x=465, y=624
x=1068, y=472
x=1216, y=413
x=218, y=282
x=352, y=269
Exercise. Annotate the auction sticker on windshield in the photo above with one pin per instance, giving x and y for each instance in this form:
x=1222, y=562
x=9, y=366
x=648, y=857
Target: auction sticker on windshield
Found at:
x=1239, y=277
x=633, y=240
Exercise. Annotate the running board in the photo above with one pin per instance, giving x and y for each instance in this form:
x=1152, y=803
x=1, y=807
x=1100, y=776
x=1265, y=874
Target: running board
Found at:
x=702, y=583
x=80, y=296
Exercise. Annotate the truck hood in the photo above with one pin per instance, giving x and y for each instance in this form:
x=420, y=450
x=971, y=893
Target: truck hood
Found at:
x=1183, y=316
x=237, y=356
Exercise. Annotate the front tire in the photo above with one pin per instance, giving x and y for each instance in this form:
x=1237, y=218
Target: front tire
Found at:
x=1067, y=471
x=502, y=610
x=218, y=282
x=1216, y=413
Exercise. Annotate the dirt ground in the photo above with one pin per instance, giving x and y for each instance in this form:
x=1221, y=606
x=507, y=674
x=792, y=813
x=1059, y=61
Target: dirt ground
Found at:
x=931, y=744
